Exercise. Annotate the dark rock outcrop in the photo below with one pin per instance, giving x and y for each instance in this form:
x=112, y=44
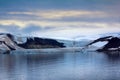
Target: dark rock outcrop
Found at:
x=9, y=42
x=37, y=43
x=112, y=45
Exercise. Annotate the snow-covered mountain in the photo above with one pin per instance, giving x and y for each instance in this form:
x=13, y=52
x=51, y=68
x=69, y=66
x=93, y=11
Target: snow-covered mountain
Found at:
x=13, y=42
x=115, y=34
x=7, y=42
x=82, y=41
x=109, y=41
x=99, y=44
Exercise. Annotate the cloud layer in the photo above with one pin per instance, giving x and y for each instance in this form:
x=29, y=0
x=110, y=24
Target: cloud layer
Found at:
x=59, y=14
x=59, y=18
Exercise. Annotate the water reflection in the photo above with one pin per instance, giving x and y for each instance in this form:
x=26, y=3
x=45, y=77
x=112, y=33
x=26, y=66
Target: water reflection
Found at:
x=113, y=55
x=60, y=66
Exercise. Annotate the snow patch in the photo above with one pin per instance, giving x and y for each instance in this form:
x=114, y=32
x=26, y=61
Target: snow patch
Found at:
x=100, y=44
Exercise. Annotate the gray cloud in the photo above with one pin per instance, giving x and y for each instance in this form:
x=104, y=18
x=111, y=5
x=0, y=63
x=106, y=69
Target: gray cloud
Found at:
x=63, y=16
x=26, y=30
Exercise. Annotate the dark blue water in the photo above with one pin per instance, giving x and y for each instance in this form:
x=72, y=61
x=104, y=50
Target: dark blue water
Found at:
x=60, y=66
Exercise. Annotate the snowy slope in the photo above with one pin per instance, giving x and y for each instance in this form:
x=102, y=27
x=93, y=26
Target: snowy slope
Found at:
x=76, y=42
x=7, y=42
x=101, y=44
x=3, y=47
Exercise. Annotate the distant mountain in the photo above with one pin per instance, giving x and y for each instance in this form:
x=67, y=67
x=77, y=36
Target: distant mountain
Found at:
x=101, y=42
x=11, y=42
x=115, y=34
x=95, y=36
x=7, y=41
x=113, y=42
x=37, y=43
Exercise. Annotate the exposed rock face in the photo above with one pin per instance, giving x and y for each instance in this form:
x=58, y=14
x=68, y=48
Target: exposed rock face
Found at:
x=112, y=45
x=37, y=43
x=7, y=41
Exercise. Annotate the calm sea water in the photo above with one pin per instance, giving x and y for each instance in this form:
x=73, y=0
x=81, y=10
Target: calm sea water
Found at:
x=60, y=66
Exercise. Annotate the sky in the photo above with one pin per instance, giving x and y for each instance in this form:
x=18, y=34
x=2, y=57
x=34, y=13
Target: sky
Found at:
x=68, y=19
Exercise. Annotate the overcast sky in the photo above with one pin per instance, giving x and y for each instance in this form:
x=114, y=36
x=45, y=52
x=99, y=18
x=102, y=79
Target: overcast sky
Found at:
x=59, y=18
